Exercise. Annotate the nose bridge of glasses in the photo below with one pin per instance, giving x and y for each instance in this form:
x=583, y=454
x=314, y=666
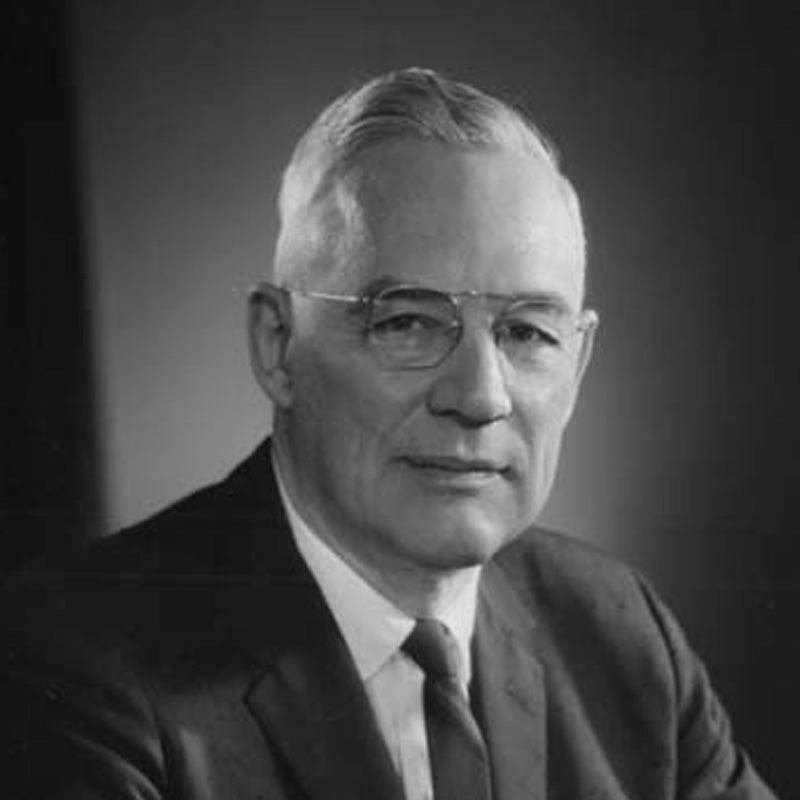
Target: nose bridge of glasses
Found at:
x=476, y=329
x=482, y=307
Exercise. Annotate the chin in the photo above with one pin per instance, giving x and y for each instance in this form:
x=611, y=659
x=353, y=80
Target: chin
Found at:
x=461, y=545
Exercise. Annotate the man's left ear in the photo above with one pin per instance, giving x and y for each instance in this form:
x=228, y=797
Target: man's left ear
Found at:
x=583, y=358
x=269, y=329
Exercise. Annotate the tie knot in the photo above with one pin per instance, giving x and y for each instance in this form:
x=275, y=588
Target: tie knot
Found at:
x=434, y=649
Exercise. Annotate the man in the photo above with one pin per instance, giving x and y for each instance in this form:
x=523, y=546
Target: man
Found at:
x=284, y=633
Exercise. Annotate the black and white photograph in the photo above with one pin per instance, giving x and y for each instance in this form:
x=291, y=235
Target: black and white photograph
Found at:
x=400, y=400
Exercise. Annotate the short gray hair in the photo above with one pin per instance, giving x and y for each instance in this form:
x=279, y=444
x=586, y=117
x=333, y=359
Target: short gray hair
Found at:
x=410, y=103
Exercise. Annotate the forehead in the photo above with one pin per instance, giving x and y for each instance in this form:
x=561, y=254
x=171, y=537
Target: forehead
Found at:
x=466, y=220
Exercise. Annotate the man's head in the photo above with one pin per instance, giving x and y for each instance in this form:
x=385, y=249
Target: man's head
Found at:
x=420, y=432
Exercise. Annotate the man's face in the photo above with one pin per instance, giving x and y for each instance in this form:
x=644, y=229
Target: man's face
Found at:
x=435, y=469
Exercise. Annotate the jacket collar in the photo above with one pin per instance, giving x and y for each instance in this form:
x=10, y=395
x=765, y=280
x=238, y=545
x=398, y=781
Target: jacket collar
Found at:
x=312, y=705
x=509, y=693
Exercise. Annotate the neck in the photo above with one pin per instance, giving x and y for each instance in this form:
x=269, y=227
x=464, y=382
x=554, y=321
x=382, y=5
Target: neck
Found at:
x=415, y=590
x=417, y=593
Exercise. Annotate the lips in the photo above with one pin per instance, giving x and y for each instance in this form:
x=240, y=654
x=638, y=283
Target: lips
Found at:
x=456, y=465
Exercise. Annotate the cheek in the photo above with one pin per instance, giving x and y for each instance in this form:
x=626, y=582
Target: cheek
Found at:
x=328, y=410
x=545, y=411
x=346, y=411
x=544, y=419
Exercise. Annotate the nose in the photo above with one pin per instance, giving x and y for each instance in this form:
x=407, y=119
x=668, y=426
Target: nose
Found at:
x=471, y=384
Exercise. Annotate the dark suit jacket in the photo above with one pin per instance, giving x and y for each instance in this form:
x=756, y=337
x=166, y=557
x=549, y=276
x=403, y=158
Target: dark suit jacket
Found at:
x=194, y=657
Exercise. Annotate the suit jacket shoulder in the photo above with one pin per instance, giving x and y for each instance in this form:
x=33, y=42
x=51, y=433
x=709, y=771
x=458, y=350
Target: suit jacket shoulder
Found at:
x=631, y=711
x=127, y=668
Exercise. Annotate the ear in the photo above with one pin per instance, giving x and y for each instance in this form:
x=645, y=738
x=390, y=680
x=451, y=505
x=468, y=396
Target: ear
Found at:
x=269, y=329
x=583, y=358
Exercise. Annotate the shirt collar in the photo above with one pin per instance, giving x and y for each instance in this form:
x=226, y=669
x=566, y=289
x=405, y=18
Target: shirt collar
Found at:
x=373, y=627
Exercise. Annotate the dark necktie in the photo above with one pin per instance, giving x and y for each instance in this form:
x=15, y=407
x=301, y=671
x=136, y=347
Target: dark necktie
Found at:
x=459, y=763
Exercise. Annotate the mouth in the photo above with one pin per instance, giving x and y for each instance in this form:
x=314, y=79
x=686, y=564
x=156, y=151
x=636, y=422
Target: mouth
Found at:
x=456, y=469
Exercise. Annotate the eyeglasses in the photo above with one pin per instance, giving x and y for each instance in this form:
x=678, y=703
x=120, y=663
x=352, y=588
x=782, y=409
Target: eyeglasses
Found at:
x=410, y=327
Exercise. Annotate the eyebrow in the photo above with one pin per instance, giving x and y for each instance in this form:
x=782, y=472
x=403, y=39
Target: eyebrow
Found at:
x=384, y=282
x=548, y=301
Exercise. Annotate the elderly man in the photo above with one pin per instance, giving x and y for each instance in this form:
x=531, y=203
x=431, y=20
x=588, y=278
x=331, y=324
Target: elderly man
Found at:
x=363, y=609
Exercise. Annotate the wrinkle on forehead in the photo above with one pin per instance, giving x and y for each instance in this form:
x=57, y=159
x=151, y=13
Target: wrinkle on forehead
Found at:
x=485, y=206
x=457, y=212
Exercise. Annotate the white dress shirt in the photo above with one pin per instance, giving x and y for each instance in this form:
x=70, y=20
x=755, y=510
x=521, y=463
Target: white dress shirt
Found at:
x=374, y=630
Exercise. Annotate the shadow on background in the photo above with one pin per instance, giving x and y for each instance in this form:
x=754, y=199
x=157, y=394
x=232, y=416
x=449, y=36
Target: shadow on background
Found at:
x=49, y=488
x=677, y=122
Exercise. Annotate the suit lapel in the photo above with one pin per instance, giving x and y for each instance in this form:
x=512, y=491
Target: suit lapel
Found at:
x=313, y=708
x=509, y=695
x=308, y=697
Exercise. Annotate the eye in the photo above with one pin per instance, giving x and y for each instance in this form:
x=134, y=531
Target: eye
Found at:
x=526, y=333
x=405, y=322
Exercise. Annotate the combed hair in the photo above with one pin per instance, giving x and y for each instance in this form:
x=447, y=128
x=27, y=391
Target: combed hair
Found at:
x=410, y=103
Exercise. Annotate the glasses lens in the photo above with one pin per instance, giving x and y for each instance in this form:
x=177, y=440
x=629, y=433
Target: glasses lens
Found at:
x=412, y=328
x=532, y=335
